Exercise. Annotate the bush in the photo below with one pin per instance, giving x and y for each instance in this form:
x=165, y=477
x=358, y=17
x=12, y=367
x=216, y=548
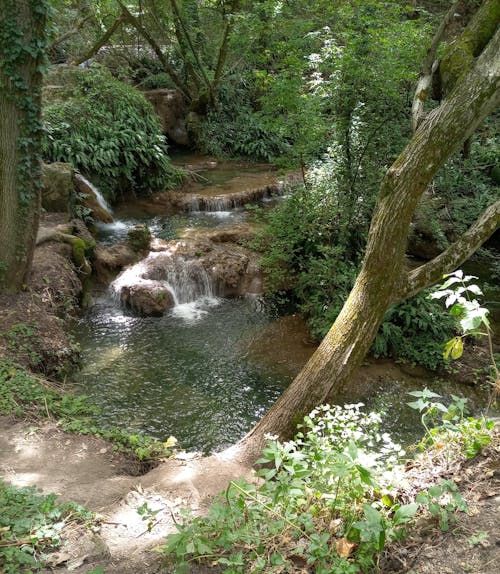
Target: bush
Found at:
x=330, y=500
x=415, y=331
x=233, y=128
x=462, y=189
x=108, y=131
x=31, y=524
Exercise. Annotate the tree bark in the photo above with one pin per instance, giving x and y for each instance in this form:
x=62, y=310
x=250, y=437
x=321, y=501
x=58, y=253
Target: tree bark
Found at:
x=102, y=41
x=383, y=279
x=23, y=44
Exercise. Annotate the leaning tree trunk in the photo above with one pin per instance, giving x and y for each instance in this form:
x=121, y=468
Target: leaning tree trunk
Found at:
x=22, y=52
x=383, y=279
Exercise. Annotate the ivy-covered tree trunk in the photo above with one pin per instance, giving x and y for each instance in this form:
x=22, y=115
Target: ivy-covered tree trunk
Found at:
x=383, y=279
x=22, y=52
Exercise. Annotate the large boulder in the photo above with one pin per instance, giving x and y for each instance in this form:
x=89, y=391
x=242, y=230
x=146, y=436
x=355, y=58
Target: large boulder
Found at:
x=109, y=261
x=171, y=109
x=147, y=298
x=57, y=187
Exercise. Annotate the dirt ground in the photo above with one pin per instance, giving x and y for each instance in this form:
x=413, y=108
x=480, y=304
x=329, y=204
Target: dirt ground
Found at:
x=472, y=543
x=86, y=470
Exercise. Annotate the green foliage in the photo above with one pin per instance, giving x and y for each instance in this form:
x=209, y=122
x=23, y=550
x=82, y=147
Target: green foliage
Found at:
x=233, y=129
x=312, y=245
x=23, y=45
x=450, y=423
x=22, y=394
x=314, y=491
x=30, y=525
x=23, y=342
x=109, y=130
x=462, y=189
x=472, y=318
x=413, y=331
x=20, y=338
x=331, y=500
x=443, y=511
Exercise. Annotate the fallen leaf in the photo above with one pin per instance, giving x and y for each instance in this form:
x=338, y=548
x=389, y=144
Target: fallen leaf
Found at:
x=344, y=547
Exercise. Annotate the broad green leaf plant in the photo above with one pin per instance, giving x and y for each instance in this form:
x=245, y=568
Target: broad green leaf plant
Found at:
x=460, y=298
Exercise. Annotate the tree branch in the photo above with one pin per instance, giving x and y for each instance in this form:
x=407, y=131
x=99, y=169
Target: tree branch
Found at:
x=79, y=25
x=103, y=40
x=156, y=49
x=431, y=272
x=429, y=67
x=187, y=36
x=221, y=59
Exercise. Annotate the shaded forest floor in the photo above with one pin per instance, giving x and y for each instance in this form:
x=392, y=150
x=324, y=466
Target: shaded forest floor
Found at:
x=85, y=469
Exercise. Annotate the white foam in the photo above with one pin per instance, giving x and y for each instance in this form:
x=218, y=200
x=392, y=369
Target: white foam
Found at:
x=115, y=226
x=194, y=311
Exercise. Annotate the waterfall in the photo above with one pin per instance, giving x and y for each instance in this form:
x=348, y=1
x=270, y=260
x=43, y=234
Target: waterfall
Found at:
x=93, y=189
x=228, y=201
x=187, y=281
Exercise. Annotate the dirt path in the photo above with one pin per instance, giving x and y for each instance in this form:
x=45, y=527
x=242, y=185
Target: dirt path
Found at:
x=86, y=470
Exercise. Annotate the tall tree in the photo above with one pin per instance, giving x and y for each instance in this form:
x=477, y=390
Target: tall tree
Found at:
x=23, y=43
x=383, y=279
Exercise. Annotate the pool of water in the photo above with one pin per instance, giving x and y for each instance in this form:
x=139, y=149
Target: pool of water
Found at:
x=166, y=227
x=184, y=374
x=207, y=370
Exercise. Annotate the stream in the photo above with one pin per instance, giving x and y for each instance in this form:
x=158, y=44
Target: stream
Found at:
x=210, y=367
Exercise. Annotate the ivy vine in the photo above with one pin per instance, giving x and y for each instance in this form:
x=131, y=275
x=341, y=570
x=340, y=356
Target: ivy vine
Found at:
x=23, y=48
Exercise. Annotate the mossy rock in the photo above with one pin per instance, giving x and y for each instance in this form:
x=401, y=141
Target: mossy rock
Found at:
x=139, y=237
x=57, y=186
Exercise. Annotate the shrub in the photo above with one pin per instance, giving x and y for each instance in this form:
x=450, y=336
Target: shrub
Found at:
x=330, y=500
x=109, y=131
x=31, y=524
x=415, y=331
x=234, y=129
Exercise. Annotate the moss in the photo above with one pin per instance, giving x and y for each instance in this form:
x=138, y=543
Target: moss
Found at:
x=139, y=237
x=80, y=249
x=459, y=55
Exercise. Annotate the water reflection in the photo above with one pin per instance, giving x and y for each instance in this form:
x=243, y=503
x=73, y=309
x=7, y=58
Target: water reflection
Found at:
x=185, y=373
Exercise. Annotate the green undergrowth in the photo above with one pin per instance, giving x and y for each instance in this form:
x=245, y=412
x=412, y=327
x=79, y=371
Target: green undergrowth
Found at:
x=331, y=500
x=311, y=254
x=26, y=395
x=31, y=524
x=108, y=130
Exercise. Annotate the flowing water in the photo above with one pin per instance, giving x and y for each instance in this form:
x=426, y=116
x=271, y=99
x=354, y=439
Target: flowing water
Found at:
x=184, y=374
x=187, y=373
x=209, y=368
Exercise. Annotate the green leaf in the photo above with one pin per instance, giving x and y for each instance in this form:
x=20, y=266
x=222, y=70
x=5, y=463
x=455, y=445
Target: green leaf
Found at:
x=454, y=347
x=405, y=513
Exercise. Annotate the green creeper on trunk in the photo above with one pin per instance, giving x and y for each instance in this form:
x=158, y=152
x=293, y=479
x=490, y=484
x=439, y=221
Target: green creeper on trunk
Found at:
x=23, y=42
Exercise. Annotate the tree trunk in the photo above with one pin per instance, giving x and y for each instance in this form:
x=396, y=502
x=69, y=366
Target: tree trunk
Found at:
x=23, y=44
x=383, y=279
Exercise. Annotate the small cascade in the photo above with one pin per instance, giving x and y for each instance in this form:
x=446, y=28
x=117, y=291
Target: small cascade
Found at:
x=163, y=281
x=224, y=203
x=188, y=281
x=87, y=187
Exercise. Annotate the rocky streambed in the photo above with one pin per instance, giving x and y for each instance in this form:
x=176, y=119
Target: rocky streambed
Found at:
x=180, y=341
